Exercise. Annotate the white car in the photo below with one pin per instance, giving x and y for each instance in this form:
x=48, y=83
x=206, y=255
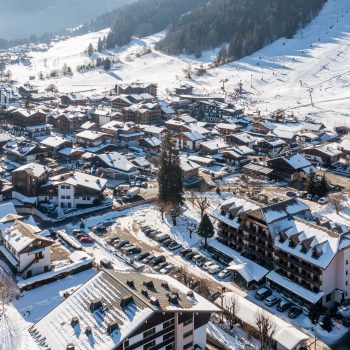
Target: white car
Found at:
x=224, y=273
x=213, y=269
x=207, y=265
x=322, y=200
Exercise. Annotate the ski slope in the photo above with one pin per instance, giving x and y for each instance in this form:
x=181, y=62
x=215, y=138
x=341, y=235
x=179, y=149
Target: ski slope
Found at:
x=287, y=74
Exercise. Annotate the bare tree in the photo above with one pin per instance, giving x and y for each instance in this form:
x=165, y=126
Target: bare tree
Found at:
x=163, y=208
x=8, y=291
x=266, y=329
x=231, y=309
x=188, y=72
x=337, y=200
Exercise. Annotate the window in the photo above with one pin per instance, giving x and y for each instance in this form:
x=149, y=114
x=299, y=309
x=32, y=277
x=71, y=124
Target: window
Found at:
x=63, y=197
x=169, y=323
x=188, y=334
x=149, y=345
x=168, y=336
x=346, y=272
x=346, y=262
x=188, y=346
x=346, y=283
x=67, y=197
x=188, y=321
x=149, y=333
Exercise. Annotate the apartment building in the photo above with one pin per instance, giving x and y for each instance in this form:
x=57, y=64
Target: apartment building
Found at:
x=307, y=261
x=22, y=247
x=130, y=311
x=73, y=190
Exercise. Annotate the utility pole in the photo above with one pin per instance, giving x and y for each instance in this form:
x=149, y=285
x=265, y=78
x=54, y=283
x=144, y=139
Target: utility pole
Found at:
x=311, y=90
x=223, y=81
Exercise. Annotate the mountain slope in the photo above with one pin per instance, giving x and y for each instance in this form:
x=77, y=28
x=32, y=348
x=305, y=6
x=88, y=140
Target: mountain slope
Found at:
x=248, y=25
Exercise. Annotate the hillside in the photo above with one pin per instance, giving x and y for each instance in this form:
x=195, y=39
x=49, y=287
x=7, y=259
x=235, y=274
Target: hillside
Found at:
x=281, y=75
x=247, y=25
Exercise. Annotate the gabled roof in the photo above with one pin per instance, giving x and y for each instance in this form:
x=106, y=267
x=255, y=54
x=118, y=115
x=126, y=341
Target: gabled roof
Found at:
x=34, y=169
x=120, y=298
x=80, y=179
x=117, y=161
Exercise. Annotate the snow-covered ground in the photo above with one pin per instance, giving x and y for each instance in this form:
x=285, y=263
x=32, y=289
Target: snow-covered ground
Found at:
x=278, y=76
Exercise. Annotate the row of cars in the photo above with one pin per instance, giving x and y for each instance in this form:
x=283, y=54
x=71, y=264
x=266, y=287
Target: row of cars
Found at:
x=82, y=237
x=204, y=262
x=158, y=263
x=265, y=294
x=160, y=237
x=124, y=246
x=187, y=253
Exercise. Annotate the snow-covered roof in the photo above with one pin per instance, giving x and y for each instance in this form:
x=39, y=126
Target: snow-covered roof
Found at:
x=248, y=269
x=297, y=161
x=314, y=244
x=90, y=135
x=7, y=209
x=329, y=150
x=188, y=165
x=34, y=169
x=117, y=161
x=80, y=179
x=53, y=141
x=113, y=304
x=286, y=335
x=345, y=145
x=194, y=136
x=214, y=145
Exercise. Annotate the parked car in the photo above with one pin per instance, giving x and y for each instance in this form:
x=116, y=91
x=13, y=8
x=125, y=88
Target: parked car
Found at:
x=322, y=200
x=121, y=244
x=107, y=264
x=213, y=269
x=76, y=231
x=161, y=237
x=141, y=256
x=86, y=239
x=272, y=300
x=207, y=265
x=168, y=242
x=294, y=312
x=174, y=246
x=184, y=251
x=196, y=257
x=214, y=296
x=144, y=185
x=190, y=255
x=160, y=266
x=165, y=270
x=309, y=197
x=111, y=239
x=224, y=273
x=144, y=228
x=262, y=293
x=201, y=261
x=147, y=259
x=157, y=260
x=290, y=194
x=283, y=305
x=301, y=194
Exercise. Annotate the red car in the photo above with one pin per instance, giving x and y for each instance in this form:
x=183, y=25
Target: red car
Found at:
x=86, y=239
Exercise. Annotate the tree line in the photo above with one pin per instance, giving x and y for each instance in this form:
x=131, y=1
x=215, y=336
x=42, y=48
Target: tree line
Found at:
x=245, y=25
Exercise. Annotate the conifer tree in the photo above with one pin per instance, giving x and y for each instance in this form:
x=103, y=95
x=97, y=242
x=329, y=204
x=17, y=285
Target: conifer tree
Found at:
x=311, y=183
x=170, y=174
x=314, y=314
x=205, y=228
x=323, y=186
x=90, y=50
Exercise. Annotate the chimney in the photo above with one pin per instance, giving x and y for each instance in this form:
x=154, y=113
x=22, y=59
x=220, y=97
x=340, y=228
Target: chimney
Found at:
x=74, y=321
x=112, y=326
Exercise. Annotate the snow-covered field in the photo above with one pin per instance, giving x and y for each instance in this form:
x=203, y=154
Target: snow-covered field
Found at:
x=278, y=76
